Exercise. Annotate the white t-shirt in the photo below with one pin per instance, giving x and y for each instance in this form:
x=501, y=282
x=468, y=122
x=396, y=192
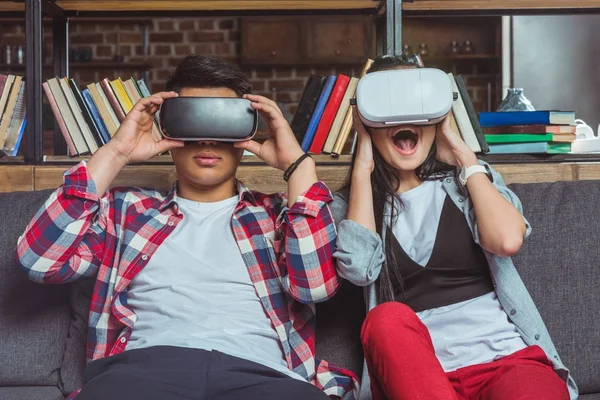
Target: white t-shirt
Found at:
x=195, y=292
x=471, y=332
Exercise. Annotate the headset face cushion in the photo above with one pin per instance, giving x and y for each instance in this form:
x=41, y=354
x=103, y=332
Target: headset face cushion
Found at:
x=419, y=96
x=226, y=119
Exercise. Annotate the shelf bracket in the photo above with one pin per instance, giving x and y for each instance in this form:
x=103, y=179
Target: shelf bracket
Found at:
x=389, y=29
x=53, y=10
x=60, y=60
x=33, y=74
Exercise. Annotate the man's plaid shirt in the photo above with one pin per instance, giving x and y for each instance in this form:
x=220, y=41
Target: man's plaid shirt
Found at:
x=288, y=252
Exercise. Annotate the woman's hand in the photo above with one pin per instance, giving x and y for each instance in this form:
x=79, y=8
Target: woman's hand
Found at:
x=364, y=147
x=281, y=149
x=451, y=149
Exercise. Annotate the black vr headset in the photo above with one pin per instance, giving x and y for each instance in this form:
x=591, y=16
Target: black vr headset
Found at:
x=225, y=119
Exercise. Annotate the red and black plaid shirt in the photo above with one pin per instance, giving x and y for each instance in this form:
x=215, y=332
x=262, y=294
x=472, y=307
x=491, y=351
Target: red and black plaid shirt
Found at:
x=288, y=253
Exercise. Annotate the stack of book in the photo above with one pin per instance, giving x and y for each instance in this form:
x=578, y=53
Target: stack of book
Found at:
x=529, y=132
x=12, y=113
x=89, y=118
x=323, y=121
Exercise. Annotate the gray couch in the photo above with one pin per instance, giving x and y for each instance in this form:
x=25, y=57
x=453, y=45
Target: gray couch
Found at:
x=42, y=328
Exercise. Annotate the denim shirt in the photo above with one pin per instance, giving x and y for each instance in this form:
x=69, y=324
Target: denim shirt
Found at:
x=360, y=255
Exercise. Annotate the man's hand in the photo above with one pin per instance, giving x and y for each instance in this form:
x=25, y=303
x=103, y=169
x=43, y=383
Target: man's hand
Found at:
x=282, y=148
x=133, y=141
x=451, y=149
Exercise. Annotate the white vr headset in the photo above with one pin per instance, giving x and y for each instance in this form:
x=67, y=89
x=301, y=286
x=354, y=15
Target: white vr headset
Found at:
x=416, y=96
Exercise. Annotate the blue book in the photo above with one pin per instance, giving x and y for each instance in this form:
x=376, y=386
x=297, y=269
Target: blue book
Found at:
x=530, y=148
x=309, y=135
x=98, y=121
x=506, y=118
x=18, y=142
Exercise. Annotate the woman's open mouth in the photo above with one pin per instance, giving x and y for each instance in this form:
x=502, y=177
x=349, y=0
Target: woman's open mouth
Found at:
x=406, y=141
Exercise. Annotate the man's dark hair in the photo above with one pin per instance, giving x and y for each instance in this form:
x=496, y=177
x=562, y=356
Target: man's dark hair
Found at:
x=208, y=72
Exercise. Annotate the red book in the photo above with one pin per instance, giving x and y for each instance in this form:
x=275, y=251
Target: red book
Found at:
x=341, y=84
x=112, y=99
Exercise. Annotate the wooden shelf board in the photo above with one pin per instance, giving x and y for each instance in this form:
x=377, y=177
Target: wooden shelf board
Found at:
x=498, y=5
x=9, y=6
x=215, y=5
x=461, y=57
x=86, y=65
x=4, y=160
x=321, y=159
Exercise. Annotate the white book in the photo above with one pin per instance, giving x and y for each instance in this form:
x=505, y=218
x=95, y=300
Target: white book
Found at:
x=85, y=129
x=65, y=111
x=462, y=119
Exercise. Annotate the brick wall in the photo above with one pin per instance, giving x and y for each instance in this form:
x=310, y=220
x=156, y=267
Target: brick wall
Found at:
x=171, y=39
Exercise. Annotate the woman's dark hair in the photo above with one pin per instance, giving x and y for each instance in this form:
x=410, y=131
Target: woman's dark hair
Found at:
x=208, y=72
x=384, y=185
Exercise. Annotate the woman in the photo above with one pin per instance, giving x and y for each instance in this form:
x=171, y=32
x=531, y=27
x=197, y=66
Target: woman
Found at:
x=449, y=317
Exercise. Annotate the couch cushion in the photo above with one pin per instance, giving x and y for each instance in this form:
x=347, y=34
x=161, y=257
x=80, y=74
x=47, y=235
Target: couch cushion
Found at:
x=73, y=363
x=560, y=264
x=30, y=393
x=33, y=318
x=338, y=328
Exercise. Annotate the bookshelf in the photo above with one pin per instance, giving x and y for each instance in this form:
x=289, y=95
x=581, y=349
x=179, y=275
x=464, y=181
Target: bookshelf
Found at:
x=389, y=14
x=499, y=7
x=59, y=12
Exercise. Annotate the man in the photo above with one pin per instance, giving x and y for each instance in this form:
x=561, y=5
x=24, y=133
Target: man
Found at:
x=206, y=292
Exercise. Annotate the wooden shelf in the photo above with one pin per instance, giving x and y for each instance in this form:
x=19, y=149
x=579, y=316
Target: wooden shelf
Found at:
x=540, y=158
x=498, y=6
x=86, y=65
x=215, y=5
x=10, y=6
x=7, y=160
x=462, y=57
x=321, y=159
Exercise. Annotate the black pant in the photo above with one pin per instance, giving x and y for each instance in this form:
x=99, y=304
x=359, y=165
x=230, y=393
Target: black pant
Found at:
x=176, y=373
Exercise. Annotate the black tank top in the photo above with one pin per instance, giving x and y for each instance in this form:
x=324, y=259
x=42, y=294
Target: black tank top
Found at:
x=456, y=271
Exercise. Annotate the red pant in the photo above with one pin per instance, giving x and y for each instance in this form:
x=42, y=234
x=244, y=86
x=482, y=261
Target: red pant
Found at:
x=403, y=366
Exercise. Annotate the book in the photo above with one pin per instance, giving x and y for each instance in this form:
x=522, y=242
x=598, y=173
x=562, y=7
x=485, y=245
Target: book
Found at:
x=146, y=93
x=85, y=112
x=471, y=113
x=3, y=79
x=5, y=92
x=10, y=107
x=530, y=148
x=104, y=108
x=95, y=114
x=306, y=106
x=16, y=125
x=78, y=114
x=525, y=137
x=121, y=94
x=69, y=118
x=112, y=99
x=463, y=121
x=340, y=116
x=333, y=104
x=59, y=119
x=348, y=123
x=510, y=129
x=311, y=130
x=500, y=118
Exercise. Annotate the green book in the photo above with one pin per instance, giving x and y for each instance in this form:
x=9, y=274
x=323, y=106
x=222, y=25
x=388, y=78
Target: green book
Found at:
x=519, y=138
